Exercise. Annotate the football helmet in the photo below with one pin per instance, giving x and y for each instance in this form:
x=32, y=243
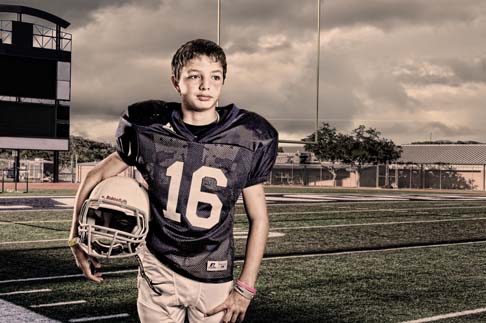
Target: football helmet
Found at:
x=114, y=219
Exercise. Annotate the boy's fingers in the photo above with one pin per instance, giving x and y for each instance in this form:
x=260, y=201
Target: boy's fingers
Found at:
x=217, y=309
x=95, y=262
x=85, y=267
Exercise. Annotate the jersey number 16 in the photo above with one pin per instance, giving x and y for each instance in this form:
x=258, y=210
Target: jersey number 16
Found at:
x=174, y=171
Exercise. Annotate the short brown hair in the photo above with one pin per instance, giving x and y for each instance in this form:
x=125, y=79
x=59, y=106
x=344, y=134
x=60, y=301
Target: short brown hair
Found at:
x=196, y=48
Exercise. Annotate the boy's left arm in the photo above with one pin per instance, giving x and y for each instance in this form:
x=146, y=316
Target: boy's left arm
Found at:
x=236, y=305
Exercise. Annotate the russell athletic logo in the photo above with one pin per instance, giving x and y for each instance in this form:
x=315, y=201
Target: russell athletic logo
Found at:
x=116, y=199
x=217, y=265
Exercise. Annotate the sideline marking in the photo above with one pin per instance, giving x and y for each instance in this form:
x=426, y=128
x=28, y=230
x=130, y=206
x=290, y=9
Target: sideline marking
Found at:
x=446, y=316
x=18, y=314
x=59, y=304
x=96, y=318
x=264, y=259
x=27, y=292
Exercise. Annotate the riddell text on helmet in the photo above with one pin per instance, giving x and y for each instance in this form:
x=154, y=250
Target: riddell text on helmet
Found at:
x=116, y=199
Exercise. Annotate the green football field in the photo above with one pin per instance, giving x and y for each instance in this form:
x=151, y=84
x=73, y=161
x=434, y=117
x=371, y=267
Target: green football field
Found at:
x=325, y=262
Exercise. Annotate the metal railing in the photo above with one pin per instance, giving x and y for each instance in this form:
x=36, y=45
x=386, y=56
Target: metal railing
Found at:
x=43, y=37
x=10, y=175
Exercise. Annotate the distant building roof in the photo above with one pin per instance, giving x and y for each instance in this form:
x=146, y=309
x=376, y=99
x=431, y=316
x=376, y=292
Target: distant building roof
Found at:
x=446, y=154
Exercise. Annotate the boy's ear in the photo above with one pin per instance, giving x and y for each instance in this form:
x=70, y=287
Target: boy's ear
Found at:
x=175, y=83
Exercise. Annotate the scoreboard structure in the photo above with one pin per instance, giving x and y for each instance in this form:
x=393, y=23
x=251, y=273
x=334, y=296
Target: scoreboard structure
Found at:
x=35, y=81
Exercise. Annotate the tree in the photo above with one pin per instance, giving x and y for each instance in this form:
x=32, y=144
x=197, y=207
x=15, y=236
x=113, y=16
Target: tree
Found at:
x=362, y=146
x=328, y=148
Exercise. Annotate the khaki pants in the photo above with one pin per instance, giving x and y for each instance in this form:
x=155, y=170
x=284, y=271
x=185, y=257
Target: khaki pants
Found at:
x=179, y=295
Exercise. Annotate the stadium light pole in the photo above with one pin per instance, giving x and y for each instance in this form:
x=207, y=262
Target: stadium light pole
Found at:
x=218, y=37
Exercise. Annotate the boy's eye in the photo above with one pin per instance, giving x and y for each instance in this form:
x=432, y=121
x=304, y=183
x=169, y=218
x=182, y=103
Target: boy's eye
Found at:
x=193, y=76
x=216, y=77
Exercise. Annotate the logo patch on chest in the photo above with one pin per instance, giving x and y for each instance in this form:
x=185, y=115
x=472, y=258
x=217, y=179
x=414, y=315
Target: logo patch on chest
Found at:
x=217, y=265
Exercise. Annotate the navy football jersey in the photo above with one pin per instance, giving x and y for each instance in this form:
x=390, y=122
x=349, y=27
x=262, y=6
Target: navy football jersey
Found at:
x=195, y=181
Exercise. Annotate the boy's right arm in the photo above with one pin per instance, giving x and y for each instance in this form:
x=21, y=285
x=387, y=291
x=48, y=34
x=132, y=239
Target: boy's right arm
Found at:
x=108, y=167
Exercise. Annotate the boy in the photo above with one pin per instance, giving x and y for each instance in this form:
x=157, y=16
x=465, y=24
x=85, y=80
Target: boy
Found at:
x=196, y=160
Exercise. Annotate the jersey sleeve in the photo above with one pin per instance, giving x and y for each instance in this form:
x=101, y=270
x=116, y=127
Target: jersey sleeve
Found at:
x=262, y=162
x=126, y=141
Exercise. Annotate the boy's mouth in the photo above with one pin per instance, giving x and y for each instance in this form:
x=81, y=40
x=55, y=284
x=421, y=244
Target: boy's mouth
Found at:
x=204, y=97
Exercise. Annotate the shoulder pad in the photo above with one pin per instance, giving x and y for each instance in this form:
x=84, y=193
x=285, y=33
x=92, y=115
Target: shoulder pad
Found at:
x=148, y=112
x=262, y=128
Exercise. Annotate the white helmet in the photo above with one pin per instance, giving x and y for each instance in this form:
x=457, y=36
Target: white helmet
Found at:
x=114, y=219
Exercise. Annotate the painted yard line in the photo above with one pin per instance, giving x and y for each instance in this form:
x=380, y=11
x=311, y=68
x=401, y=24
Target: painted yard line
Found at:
x=240, y=234
x=372, y=250
x=355, y=210
x=449, y=315
x=59, y=304
x=264, y=259
x=287, y=213
x=30, y=241
x=371, y=224
x=98, y=318
x=243, y=234
x=237, y=235
x=14, y=313
x=15, y=207
x=328, y=203
x=35, y=221
x=35, y=210
x=374, y=210
x=35, y=197
x=63, y=276
x=32, y=291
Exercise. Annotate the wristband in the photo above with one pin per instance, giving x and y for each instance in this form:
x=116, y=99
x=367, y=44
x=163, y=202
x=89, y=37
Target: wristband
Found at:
x=243, y=292
x=73, y=242
x=245, y=286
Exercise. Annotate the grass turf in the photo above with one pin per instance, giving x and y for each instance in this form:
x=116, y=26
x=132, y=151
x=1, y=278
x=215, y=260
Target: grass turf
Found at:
x=386, y=286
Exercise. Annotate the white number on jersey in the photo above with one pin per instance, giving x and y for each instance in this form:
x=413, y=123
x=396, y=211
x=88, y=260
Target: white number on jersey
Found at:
x=174, y=171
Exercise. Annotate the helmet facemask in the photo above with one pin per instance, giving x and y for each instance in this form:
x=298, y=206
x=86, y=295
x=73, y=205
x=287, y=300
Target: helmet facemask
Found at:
x=110, y=228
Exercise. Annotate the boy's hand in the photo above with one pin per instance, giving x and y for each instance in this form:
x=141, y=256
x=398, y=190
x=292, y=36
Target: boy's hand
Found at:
x=235, y=307
x=87, y=264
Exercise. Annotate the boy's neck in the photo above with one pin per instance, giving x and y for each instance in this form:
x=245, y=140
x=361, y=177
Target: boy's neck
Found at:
x=199, y=118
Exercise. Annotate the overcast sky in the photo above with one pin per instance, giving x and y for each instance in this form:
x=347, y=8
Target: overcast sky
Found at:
x=410, y=68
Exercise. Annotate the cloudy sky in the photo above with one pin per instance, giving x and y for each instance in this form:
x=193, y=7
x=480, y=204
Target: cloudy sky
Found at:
x=413, y=69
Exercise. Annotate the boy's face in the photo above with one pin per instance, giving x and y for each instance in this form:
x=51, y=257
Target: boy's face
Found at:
x=200, y=83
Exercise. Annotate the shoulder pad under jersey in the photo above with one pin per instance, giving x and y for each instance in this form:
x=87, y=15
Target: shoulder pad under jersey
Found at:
x=262, y=129
x=148, y=112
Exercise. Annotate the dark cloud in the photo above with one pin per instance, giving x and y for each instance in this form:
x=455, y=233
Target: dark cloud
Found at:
x=388, y=14
x=80, y=12
x=376, y=55
x=386, y=88
x=469, y=71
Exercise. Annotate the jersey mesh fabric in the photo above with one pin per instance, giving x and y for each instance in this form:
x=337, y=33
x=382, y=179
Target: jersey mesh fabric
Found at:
x=214, y=169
